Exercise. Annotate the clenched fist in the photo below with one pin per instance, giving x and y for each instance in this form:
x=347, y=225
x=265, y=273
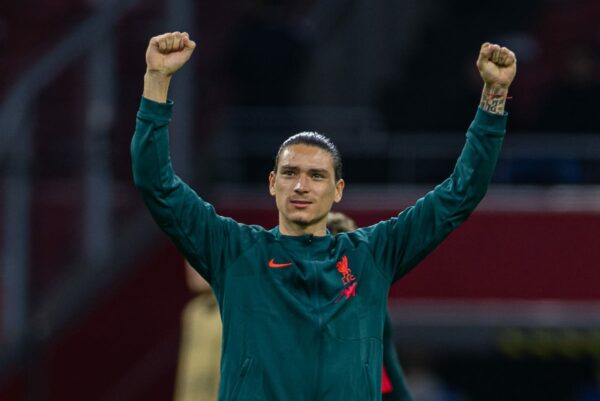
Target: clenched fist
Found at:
x=168, y=52
x=497, y=65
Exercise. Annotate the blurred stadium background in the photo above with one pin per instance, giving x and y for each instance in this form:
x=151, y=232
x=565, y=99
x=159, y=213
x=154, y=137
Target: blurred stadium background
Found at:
x=91, y=292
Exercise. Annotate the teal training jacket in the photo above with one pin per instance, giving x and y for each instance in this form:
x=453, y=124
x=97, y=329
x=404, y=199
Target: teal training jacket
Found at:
x=303, y=316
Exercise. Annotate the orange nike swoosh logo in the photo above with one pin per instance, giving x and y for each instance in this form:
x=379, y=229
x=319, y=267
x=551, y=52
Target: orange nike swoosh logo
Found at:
x=274, y=265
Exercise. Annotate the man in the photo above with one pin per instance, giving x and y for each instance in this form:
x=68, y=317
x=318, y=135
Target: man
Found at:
x=393, y=383
x=303, y=312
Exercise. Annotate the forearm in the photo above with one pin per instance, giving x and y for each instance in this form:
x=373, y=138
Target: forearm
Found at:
x=173, y=205
x=493, y=99
x=442, y=210
x=156, y=86
x=150, y=146
x=477, y=162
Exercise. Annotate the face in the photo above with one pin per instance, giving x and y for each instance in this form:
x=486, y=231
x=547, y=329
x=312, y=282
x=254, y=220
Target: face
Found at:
x=304, y=188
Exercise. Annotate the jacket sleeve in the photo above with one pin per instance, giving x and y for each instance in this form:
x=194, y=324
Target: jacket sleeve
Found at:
x=206, y=239
x=400, y=243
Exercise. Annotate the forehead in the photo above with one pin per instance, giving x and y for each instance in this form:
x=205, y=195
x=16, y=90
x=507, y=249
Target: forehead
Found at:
x=306, y=157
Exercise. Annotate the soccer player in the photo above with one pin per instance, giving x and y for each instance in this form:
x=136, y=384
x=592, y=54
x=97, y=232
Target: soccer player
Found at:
x=303, y=311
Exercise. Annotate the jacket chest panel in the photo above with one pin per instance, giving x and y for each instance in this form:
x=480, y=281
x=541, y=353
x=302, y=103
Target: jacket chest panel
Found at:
x=332, y=289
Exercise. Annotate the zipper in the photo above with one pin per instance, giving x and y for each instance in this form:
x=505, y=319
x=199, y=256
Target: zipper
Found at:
x=319, y=319
x=317, y=306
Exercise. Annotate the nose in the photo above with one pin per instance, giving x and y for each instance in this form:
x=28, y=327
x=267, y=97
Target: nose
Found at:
x=301, y=184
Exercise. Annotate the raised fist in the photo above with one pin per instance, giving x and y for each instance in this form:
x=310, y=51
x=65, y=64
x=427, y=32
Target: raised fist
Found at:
x=497, y=65
x=168, y=52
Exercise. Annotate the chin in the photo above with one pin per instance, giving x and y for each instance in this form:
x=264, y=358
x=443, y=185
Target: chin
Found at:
x=299, y=217
x=300, y=220
x=303, y=219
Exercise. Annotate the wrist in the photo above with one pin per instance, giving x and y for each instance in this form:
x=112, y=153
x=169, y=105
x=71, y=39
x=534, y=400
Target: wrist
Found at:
x=493, y=98
x=495, y=87
x=157, y=74
x=156, y=86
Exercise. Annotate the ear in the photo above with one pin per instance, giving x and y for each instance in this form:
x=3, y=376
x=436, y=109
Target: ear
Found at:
x=272, y=183
x=339, y=190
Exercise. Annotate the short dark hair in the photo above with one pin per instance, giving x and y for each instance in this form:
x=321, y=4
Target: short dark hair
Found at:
x=317, y=140
x=338, y=222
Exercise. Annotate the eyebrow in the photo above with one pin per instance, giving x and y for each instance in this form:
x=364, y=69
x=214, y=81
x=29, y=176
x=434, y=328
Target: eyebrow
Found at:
x=318, y=170
x=310, y=170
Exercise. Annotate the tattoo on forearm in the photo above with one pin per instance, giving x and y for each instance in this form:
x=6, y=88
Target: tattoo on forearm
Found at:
x=493, y=99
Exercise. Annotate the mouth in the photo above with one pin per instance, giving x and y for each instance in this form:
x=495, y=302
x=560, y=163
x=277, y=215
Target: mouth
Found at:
x=300, y=204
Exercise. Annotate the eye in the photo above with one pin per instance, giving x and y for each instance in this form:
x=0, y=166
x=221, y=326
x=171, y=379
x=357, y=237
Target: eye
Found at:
x=318, y=176
x=287, y=173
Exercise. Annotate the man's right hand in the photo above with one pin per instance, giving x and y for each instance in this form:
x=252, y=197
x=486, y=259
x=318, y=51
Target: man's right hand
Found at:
x=166, y=54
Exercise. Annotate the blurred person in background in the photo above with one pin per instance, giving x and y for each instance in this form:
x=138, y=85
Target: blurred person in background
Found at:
x=303, y=312
x=200, y=348
x=393, y=384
